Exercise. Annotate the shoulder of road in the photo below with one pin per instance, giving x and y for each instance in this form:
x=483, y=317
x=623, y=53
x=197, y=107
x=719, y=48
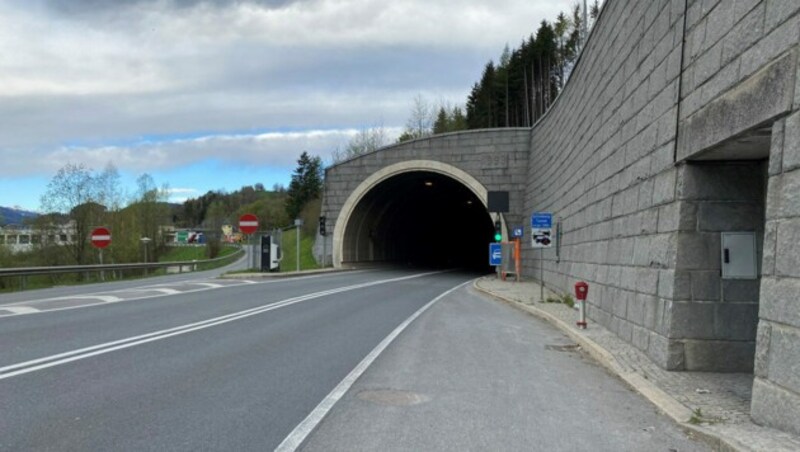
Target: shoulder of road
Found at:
x=712, y=406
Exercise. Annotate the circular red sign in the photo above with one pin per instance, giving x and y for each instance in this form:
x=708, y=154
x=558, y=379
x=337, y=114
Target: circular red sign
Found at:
x=101, y=237
x=248, y=223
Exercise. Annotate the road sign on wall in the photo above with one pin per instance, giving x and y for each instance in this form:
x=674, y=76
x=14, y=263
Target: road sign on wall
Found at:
x=248, y=223
x=101, y=237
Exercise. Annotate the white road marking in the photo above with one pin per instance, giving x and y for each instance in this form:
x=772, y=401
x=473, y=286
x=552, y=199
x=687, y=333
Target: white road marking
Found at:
x=301, y=432
x=103, y=298
x=209, y=285
x=145, y=297
x=100, y=349
x=163, y=290
x=19, y=309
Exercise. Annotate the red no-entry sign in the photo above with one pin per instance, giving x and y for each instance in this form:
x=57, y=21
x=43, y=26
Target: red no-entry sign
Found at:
x=101, y=237
x=248, y=223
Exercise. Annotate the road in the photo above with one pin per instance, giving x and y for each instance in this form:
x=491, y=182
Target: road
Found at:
x=309, y=362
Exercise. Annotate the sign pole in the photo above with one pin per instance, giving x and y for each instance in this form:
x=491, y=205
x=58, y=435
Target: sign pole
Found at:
x=102, y=273
x=298, y=247
x=541, y=275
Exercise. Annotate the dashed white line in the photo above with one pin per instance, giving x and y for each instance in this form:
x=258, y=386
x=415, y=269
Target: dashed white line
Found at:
x=19, y=309
x=103, y=298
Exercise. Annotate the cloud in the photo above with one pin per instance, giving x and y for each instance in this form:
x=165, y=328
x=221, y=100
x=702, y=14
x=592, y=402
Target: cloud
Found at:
x=271, y=150
x=94, y=80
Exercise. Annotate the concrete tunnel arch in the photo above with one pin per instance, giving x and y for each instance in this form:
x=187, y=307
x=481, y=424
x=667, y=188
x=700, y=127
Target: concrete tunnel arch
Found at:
x=349, y=234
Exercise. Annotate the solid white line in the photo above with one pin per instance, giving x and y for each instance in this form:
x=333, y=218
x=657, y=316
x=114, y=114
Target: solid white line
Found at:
x=74, y=355
x=301, y=432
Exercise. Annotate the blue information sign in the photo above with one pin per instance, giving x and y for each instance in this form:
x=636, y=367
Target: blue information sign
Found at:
x=517, y=232
x=542, y=220
x=495, y=254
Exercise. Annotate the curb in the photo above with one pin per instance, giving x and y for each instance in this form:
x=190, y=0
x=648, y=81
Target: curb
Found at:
x=663, y=401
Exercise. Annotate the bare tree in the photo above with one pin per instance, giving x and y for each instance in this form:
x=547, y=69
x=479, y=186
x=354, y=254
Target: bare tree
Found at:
x=366, y=140
x=75, y=192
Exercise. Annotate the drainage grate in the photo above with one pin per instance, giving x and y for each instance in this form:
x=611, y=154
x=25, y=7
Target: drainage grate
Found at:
x=562, y=347
x=394, y=397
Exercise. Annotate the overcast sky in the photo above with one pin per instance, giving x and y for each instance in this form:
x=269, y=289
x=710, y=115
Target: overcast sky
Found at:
x=216, y=94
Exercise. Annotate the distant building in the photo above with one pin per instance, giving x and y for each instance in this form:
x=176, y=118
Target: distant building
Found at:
x=18, y=238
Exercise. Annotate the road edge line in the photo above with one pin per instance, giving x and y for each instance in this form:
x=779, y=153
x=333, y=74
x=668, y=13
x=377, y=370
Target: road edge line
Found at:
x=301, y=432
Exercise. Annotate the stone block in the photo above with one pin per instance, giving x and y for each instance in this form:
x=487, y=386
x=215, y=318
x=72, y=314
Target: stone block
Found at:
x=783, y=367
x=718, y=356
x=778, y=11
x=762, y=349
x=791, y=142
x=710, y=182
x=744, y=33
x=776, y=148
x=740, y=290
x=787, y=255
x=769, y=93
x=692, y=320
x=647, y=281
x=625, y=330
x=736, y=321
x=666, y=283
x=768, y=248
x=664, y=187
x=707, y=65
x=780, y=300
x=775, y=407
x=729, y=216
x=698, y=251
x=619, y=303
x=641, y=338
x=705, y=285
x=637, y=308
x=665, y=352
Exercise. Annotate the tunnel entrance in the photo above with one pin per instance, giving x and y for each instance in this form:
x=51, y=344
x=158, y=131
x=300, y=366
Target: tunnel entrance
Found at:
x=422, y=219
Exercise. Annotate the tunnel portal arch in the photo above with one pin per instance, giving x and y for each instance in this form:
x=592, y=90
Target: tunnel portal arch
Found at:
x=372, y=227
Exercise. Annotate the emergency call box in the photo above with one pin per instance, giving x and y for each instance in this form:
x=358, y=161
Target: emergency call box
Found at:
x=739, y=255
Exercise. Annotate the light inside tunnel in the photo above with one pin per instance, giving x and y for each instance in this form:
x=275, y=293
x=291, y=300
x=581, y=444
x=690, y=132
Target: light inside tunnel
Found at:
x=421, y=219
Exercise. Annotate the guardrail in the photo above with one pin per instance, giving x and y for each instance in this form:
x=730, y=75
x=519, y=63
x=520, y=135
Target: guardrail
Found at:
x=24, y=272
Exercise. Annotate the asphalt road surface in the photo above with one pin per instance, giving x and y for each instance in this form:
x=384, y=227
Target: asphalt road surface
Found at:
x=369, y=360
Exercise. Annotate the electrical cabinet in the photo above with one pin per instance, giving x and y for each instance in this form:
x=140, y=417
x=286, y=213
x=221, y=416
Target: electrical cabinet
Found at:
x=739, y=255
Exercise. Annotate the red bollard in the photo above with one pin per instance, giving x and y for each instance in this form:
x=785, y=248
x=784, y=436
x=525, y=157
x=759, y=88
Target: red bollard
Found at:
x=581, y=291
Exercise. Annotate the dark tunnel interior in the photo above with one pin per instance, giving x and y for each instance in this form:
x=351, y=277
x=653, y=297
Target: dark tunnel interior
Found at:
x=421, y=219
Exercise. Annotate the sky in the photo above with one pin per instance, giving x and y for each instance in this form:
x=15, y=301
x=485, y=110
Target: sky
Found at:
x=214, y=94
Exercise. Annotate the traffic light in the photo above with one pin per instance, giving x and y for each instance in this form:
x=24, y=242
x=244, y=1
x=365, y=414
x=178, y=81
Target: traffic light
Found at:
x=322, y=226
x=498, y=231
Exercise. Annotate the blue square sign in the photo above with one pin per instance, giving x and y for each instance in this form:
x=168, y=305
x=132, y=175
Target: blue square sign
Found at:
x=495, y=254
x=542, y=220
x=517, y=232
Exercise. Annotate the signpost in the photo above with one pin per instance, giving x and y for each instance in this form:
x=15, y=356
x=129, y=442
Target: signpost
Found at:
x=517, y=232
x=101, y=238
x=248, y=224
x=541, y=238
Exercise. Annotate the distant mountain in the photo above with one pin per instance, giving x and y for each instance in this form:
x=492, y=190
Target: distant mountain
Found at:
x=10, y=215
